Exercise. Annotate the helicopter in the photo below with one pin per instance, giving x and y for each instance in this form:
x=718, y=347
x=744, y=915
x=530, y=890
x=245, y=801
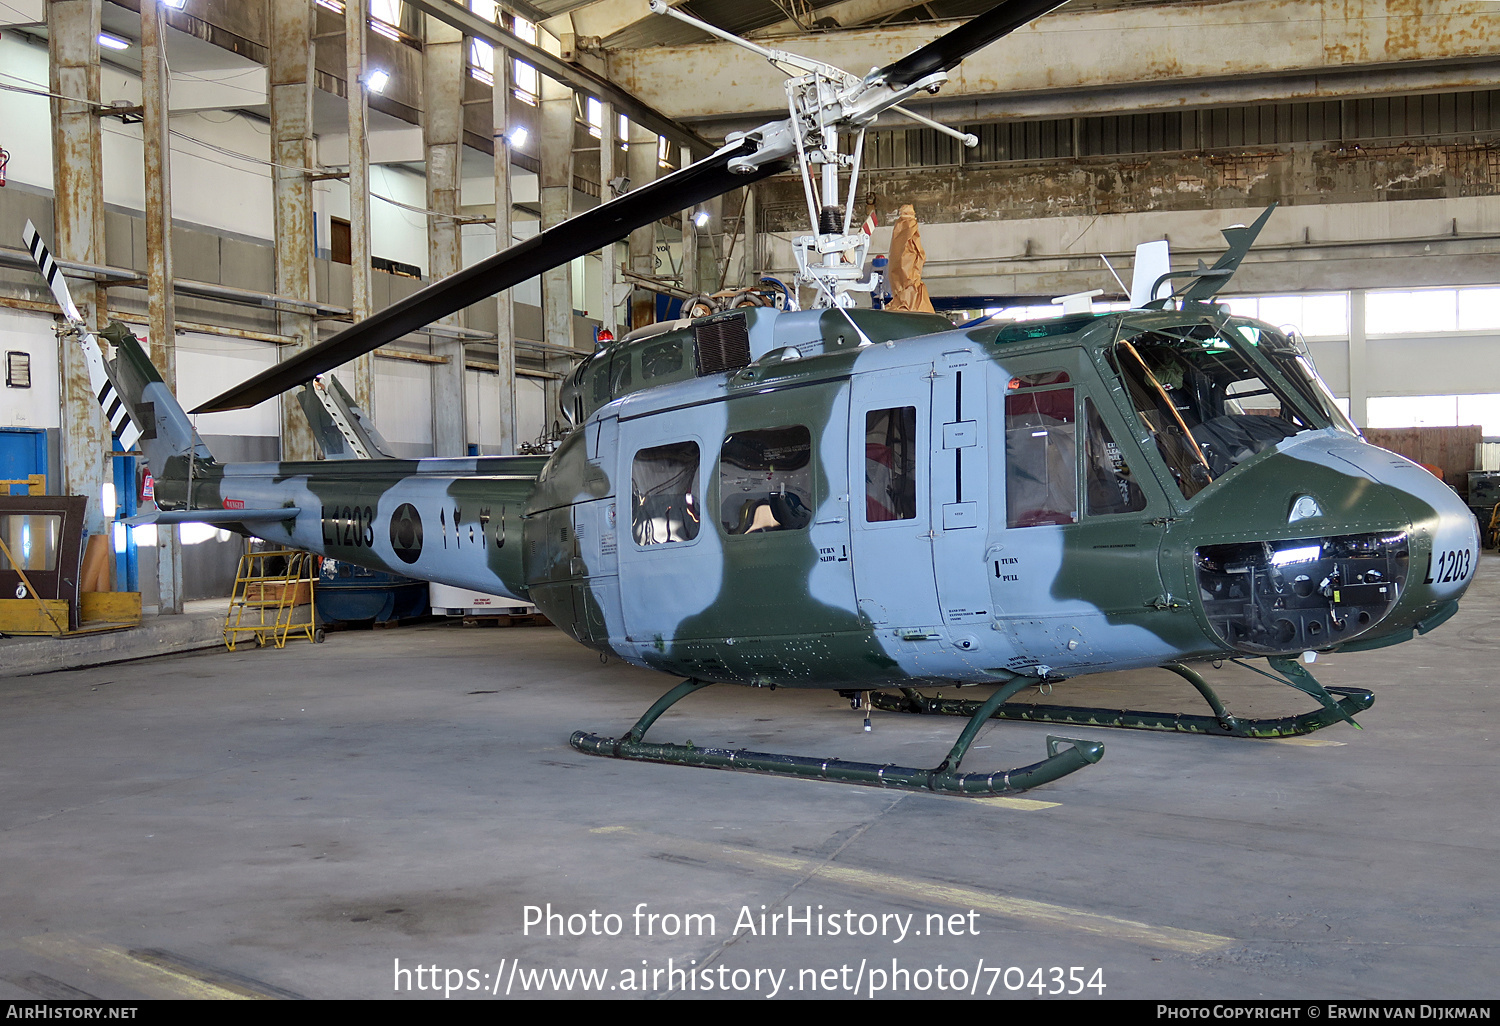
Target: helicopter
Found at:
x=872, y=502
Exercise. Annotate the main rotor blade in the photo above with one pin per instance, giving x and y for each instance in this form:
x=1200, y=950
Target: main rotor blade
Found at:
x=947, y=51
x=585, y=233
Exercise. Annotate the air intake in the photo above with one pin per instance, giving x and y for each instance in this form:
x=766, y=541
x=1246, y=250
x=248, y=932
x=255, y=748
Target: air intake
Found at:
x=723, y=343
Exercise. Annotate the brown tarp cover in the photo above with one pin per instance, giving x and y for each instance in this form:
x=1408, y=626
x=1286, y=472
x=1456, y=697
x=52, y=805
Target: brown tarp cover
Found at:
x=907, y=258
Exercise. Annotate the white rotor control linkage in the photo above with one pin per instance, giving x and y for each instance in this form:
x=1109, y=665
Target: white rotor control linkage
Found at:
x=822, y=101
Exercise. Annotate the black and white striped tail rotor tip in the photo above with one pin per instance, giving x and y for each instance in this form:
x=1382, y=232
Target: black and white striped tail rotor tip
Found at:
x=52, y=273
x=115, y=410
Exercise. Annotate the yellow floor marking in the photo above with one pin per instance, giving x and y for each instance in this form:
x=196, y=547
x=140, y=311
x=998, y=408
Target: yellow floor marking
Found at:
x=148, y=974
x=928, y=891
x=1019, y=804
x=1309, y=742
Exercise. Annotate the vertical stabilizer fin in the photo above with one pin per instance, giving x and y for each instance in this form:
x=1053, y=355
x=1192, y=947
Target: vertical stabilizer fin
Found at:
x=340, y=426
x=167, y=435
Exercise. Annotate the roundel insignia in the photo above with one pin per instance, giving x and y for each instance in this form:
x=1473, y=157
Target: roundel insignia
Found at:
x=406, y=533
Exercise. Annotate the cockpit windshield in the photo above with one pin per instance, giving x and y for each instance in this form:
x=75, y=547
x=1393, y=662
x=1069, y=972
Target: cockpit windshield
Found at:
x=1205, y=394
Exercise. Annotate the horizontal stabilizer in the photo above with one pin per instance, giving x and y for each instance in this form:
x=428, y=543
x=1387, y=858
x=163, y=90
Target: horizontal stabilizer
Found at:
x=211, y=516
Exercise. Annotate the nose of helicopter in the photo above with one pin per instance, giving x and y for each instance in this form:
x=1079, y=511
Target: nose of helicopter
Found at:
x=1443, y=536
x=1336, y=543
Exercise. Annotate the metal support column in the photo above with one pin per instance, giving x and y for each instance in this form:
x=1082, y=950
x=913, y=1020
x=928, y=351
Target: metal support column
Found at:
x=610, y=274
x=78, y=233
x=442, y=137
x=291, y=89
x=689, y=253
x=1359, y=387
x=642, y=163
x=161, y=307
x=356, y=21
x=555, y=148
x=505, y=336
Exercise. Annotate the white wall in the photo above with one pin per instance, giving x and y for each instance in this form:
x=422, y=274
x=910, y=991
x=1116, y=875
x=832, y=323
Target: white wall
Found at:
x=205, y=363
x=403, y=404
x=39, y=405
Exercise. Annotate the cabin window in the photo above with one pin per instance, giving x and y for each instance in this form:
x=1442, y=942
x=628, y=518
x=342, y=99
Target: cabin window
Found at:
x=1110, y=487
x=664, y=502
x=600, y=371
x=891, y=464
x=619, y=374
x=661, y=358
x=1207, y=406
x=1041, y=462
x=765, y=480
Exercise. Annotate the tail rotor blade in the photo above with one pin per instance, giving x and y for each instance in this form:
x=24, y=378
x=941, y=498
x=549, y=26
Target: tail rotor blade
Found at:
x=947, y=51
x=115, y=410
x=51, y=272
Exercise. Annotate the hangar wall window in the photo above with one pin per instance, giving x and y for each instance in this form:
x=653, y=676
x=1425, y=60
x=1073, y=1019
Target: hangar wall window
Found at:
x=765, y=480
x=1041, y=462
x=1315, y=316
x=891, y=464
x=664, y=501
x=1400, y=411
x=1426, y=311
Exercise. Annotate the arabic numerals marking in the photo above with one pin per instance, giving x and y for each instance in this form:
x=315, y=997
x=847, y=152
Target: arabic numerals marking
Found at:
x=1052, y=981
x=1449, y=566
x=348, y=526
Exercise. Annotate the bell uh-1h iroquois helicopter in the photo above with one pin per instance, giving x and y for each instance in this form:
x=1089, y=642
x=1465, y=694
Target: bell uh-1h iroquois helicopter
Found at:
x=869, y=501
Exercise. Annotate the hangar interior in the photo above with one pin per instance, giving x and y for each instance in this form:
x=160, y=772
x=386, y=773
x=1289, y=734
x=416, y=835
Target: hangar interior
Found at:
x=237, y=180
x=1107, y=124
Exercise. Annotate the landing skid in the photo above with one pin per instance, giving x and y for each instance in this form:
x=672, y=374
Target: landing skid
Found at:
x=1064, y=755
x=1289, y=672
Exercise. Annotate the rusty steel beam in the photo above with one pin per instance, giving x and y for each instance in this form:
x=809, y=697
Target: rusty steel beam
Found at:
x=78, y=232
x=443, y=67
x=291, y=90
x=505, y=335
x=609, y=275
x=689, y=252
x=553, y=67
x=642, y=165
x=356, y=23
x=555, y=178
x=161, y=306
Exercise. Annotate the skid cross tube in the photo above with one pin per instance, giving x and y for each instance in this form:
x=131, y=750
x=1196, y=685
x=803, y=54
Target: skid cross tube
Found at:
x=1064, y=755
x=1222, y=722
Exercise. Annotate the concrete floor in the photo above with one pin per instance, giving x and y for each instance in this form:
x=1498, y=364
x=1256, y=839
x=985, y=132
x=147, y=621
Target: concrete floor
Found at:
x=293, y=823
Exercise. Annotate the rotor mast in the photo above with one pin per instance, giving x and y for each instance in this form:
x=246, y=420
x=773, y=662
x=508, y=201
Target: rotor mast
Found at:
x=824, y=101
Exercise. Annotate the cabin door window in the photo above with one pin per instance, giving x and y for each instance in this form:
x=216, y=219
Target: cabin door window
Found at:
x=665, y=503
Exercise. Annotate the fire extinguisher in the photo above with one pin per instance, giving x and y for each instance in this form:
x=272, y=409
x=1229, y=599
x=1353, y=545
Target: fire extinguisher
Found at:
x=4, y=159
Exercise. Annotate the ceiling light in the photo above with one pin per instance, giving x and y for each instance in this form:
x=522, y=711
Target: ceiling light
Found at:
x=517, y=136
x=176, y=5
x=376, y=79
x=113, y=42
x=700, y=218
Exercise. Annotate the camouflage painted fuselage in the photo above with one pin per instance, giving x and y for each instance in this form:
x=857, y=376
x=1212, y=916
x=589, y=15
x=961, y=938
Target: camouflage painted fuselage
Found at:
x=818, y=584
